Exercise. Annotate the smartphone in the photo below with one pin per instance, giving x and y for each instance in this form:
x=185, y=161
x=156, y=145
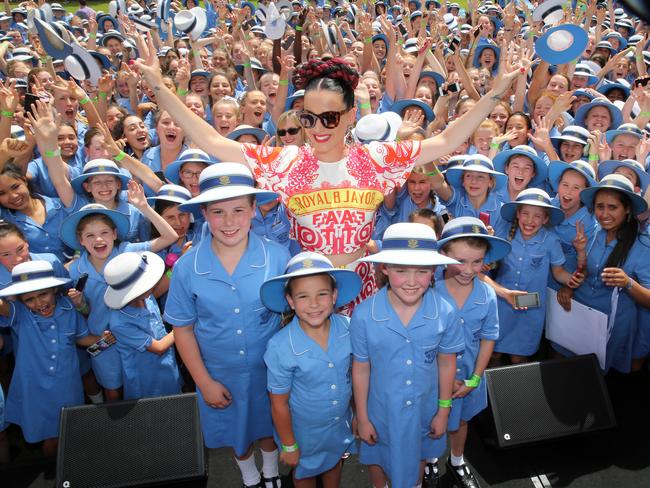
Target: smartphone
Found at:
x=30, y=100
x=453, y=45
x=484, y=217
x=81, y=282
x=642, y=81
x=101, y=345
x=529, y=300
x=249, y=24
x=402, y=29
x=441, y=91
x=453, y=88
x=287, y=43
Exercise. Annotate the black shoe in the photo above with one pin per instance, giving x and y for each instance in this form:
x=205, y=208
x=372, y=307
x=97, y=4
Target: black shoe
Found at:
x=275, y=482
x=431, y=478
x=462, y=475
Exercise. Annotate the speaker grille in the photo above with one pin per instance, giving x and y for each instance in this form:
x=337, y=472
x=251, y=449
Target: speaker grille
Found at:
x=539, y=401
x=146, y=442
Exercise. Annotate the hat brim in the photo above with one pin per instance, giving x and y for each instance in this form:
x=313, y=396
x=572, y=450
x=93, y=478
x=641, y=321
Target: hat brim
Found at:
x=499, y=248
x=559, y=139
x=454, y=175
x=82, y=65
x=272, y=292
x=275, y=29
x=166, y=198
x=399, y=106
x=113, y=35
x=117, y=299
x=69, y=225
x=482, y=47
x=611, y=134
x=541, y=170
x=172, y=172
x=51, y=42
x=588, y=195
x=33, y=285
x=509, y=209
x=394, y=122
x=227, y=193
x=557, y=168
x=608, y=167
x=258, y=134
x=77, y=182
x=576, y=36
x=410, y=257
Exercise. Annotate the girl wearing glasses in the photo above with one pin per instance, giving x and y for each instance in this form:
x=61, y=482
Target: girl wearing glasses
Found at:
x=289, y=131
x=331, y=190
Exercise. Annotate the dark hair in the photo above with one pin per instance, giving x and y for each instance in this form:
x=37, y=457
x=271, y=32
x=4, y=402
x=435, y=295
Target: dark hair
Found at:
x=288, y=316
x=12, y=171
x=626, y=234
x=104, y=219
x=90, y=133
x=160, y=206
x=334, y=75
x=427, y=213
x=8, y=228
x=526, y=117
x=473, y=242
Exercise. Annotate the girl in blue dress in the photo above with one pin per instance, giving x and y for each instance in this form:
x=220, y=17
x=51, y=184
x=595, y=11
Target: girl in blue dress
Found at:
x=146, y=349
x=469, y=189
x=466, y=240
x=221, y=327
x=618, y=269
x=46, y=377
x=404, y=340
x=99, y=234
x=535, y=251
x=309, y=364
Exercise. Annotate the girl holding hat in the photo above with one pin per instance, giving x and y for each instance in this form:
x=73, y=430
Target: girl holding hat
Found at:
x=309, y=364
x=468, y=190
x=404, y=341
x=46, y=376
x=220, y=325
x=146, y=349
x=466, y=239
x=317, y=182
x=96, y=231
x=535, y=251
x=617, y=268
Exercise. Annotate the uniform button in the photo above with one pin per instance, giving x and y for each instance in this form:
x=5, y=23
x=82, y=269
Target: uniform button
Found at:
x=521, y=259
x=336, y=418
x=52, y=327
x=409, y=362
x=241, y=353
x=233, y=288
x=53, y=341
x=330, y=365
x=518, y=272
x=408, y=340
x=333, y=387
x=458, y=370
x=408, y=402
x=239, y=331
x=51, y=368
x=335, y=402
x=236, y=310
x=408, y=382
x=53, y=356
x=462, y=321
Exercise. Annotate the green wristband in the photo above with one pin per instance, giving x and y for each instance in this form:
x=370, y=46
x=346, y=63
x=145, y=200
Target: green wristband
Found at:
x=84, y=101
x=474, y=381
x=283, y=82
x=644, y=114
x=247, y=65
x=367, y=40
x=83, y=309
x=7, y=113
x=298, y=28
x=52, y=154
x=444, y=403
x=293, y=448
x=494, y=145
x=365, y=106
x=168, y=273
x=593, y=157
x=182, y=92
x=435, y=171
x=121, y=155
x=103, y=96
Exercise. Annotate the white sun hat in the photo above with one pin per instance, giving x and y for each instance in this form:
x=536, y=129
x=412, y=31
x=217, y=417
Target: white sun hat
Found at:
x=130, y=275
x=32, y=276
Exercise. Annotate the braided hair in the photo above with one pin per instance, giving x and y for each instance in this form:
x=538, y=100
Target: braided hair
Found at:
x=333, y=75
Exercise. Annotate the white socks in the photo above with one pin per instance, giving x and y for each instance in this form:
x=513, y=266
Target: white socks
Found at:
x=270, y=464
x=249, y=472
x=456, y=460
x=97, y=398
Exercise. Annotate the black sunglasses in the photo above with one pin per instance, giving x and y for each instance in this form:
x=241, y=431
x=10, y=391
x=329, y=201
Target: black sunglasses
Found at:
x=330, y=120
x=291, y=131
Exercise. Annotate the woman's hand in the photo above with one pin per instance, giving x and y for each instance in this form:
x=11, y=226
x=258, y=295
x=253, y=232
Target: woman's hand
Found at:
x=508, y=71
x=615, y=277
x=76, y=297
x=9, y=97
x=580, y=240
x=105, y=84
x=509, y=296
x=110, y=145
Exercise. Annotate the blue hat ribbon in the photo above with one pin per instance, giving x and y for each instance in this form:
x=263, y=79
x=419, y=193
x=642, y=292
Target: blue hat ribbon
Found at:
x=31, y=276
x=225, y=180
x=408, y=244
x=129, y=280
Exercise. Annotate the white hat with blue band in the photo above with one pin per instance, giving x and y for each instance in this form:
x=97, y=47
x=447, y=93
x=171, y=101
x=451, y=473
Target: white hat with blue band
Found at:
x=472, y=227
x=98, y=167
x=32, y=276
x=477, y=163
x=557, y=168
x=618, y=183
x=536, y=198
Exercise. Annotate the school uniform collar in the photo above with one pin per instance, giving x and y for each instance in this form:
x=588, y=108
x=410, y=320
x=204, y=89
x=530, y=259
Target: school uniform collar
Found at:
x=301, y=343
x=382, y=312
x=52, y=205
x=123, y=206
x=491, y=203
x=134, y=312
x=538, y=238
x=579, y=215
x=478, y=295
x=207, y=264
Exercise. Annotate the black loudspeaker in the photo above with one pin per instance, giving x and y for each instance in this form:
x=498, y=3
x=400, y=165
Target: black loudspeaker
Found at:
x=534, y=402
x=147, y=442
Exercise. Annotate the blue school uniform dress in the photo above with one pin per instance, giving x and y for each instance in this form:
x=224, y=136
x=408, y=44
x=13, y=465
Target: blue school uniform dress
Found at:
x=594, y=293
x=479, y=320
x=526, y=267
x=274, y=225
x=42, y=238
x=46, y=377
x=232, y=328
x=459, y=205
x=403, y=393
x=404, y=207
x=40, y=175
x=106, y=365
x=145, y=374
x=319, y=386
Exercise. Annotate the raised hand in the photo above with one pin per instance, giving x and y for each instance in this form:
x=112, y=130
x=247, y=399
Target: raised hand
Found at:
x=580, y=240
x=44, y=125
x=148, y=63
x=137, y=198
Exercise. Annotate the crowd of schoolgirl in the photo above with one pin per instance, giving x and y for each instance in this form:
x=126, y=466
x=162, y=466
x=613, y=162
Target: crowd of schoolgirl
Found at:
x=134, y=264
